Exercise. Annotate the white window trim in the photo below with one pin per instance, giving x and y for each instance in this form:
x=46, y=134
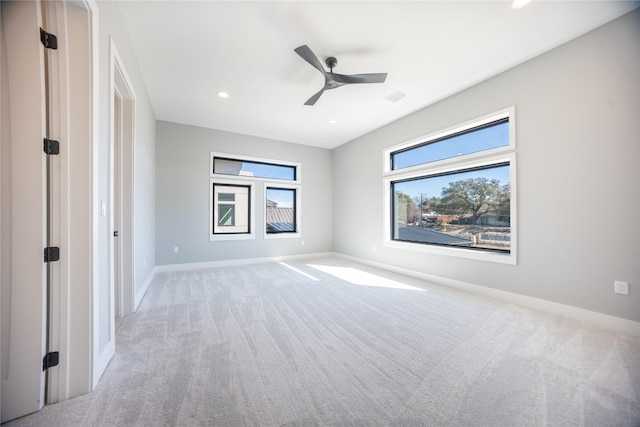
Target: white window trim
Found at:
x=252, y=181
x=298, y=233
x=214, y=154
x=484, y=158
x=252, y=198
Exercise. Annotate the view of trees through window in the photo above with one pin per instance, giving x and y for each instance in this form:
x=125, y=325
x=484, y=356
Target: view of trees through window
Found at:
x=468, y=208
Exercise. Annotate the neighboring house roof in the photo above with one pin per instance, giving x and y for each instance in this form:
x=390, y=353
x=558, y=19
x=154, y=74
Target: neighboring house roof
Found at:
x=416, y=234
x=279, y=219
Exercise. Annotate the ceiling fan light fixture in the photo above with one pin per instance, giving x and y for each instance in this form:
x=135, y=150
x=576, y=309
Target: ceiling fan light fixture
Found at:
x=519, y=4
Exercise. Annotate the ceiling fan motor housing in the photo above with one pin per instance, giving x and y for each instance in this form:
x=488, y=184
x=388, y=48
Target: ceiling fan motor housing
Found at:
x=331, y=62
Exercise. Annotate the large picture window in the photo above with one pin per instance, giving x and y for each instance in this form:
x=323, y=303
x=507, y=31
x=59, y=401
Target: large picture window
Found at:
x=454, y=193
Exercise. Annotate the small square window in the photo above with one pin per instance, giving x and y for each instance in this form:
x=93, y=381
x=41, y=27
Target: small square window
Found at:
x=231, y=211
x=280, y=210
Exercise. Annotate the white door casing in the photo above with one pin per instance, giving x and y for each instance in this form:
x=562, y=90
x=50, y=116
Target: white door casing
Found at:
x=122, y=167
x=73, y=216
x=122, y=133
x=116, y=174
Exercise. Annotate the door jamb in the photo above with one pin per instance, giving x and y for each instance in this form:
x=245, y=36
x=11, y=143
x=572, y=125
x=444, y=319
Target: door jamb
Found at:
x=119, y=84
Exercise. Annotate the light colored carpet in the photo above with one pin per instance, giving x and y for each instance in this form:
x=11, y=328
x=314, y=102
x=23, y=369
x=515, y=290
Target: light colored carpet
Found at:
x=327, y=342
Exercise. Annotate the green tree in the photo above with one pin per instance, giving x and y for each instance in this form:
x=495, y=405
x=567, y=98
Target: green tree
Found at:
x=406, y=209
x=503, y=210
x=475, y=197
x=433, y=204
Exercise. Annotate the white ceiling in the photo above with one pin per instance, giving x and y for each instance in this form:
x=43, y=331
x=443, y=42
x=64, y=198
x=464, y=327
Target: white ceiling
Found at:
x=189, y=50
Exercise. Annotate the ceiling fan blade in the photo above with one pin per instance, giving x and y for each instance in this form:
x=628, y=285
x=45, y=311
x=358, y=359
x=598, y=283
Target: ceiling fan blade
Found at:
x=314, y=98
x=308, y=55
x=359, y=78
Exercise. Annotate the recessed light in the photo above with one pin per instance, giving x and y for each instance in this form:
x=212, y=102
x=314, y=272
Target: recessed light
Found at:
x=519, y=4
x=223, y=94
x=333, y=121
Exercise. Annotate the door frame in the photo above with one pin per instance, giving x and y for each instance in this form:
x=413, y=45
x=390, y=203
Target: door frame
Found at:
x=73, y=320
x=121, y=211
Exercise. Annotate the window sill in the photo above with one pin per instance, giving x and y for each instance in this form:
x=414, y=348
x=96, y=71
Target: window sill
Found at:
x=270, y=236
x=228, y=237
x=478, y=255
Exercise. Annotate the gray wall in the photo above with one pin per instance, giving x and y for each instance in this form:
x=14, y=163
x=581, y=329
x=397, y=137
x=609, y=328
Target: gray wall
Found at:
x=578, y=163
x=182, y=196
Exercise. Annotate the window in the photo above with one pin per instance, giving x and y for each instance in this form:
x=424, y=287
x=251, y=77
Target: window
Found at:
x=280, y=210
x=453, y=192
x=232, y=211
x=256, y=169
x=479, y=138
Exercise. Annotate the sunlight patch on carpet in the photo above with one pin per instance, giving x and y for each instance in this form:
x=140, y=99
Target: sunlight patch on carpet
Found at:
x=362, y=278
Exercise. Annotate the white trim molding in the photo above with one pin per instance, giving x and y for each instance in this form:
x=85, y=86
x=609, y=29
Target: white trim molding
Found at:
x=143, y=290
x=234, y=262
x=602, y=320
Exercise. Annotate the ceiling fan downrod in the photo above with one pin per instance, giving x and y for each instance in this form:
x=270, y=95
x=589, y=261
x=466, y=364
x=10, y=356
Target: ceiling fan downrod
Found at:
x=331, y=62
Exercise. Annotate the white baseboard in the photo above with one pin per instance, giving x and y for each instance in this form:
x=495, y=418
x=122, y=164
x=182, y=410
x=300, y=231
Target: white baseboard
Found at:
x=587, y=316
x=234, y=262
x=599, y=319
x=102, y=363
x=140, y=294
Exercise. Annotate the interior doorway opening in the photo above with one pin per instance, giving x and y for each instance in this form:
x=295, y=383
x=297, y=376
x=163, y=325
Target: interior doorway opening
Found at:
x=121, y=181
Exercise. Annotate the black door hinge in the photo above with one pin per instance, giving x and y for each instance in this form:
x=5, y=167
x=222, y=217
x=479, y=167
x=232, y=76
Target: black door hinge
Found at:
x=48, y=40
x=51, y=146
x=51, y=253
x=50, y=360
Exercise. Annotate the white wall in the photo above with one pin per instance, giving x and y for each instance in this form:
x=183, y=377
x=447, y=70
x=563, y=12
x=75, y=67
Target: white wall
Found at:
x=182, y=197
x=578, y=163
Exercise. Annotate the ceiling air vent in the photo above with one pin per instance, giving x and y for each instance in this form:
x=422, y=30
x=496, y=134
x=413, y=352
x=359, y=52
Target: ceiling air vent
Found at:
x=396, y=96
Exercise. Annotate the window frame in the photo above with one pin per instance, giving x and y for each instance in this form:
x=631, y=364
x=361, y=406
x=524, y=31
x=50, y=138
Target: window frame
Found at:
x=226, y=156
x=482, y=159
x=297, y=211
x=254, y=182
x=213, y=236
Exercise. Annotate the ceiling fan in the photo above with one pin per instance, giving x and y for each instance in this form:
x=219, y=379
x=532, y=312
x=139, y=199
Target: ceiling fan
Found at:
x=333, y=80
